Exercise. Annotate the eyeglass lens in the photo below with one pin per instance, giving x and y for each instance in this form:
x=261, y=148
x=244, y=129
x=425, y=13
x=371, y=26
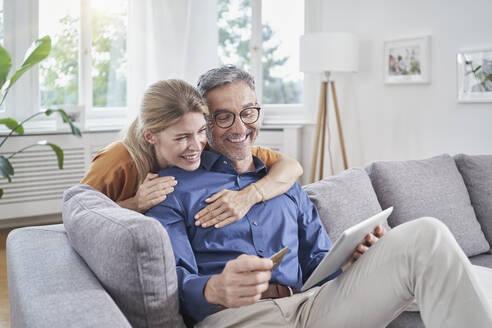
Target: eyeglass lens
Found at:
x=248, y=115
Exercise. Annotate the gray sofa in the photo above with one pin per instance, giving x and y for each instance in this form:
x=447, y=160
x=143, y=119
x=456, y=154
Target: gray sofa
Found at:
x=110, y=267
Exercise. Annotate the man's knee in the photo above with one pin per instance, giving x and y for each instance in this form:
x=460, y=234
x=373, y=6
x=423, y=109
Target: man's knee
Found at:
x=432, y=224
x=432, y=232
x=426, y=223
x=426, y=230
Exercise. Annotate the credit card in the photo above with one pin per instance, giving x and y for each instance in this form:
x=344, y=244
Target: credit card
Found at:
x=277, y=257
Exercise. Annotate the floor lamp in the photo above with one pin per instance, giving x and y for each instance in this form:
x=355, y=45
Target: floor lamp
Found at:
x=327, y=53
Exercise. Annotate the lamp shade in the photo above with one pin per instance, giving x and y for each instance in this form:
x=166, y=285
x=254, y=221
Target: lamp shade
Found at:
x=329, y=52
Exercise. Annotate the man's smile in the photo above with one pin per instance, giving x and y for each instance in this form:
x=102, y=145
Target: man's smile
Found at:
x=239, y=140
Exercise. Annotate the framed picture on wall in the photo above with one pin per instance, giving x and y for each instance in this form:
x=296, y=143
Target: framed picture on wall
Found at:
x=407, y=60
x=475, y=76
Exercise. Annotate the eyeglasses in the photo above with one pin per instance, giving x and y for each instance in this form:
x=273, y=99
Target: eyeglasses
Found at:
x=249, y=115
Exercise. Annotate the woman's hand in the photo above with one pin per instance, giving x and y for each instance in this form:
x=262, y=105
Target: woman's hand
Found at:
x=227, y=206
x=153, y=191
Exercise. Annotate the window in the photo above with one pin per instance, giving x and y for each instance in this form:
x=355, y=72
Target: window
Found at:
x=108, y=49
x=87, y=64
x=282, y=26
x=234, y=26
x=262, y=37
x=59, y=73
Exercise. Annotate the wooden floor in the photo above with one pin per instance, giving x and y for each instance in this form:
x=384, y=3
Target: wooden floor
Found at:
x=4, y=296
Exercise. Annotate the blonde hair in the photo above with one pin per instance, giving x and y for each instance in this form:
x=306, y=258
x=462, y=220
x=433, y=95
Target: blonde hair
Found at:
x=163, y=104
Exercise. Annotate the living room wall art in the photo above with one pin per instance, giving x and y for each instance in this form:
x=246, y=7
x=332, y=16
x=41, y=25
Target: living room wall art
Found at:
x=407, y=60
x=475, y=76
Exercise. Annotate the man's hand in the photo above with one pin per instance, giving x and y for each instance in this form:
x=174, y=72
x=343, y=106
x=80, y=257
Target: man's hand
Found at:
x=226, y=206
x=241, y=282
x=371, y=239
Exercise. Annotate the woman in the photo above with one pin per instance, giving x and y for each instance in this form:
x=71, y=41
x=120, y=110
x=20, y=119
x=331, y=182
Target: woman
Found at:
x=170, y=131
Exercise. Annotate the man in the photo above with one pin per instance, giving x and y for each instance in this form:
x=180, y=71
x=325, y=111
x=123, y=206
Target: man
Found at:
x=226, y=279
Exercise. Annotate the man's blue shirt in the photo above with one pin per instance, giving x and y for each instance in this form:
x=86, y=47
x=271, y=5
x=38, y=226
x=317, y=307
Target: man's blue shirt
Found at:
x=288, y=220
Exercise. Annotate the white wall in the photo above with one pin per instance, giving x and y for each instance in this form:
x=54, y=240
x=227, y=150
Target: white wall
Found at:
x=397, y=122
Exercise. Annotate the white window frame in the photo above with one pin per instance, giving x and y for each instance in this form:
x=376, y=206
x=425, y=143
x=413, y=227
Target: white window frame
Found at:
x=24, y=98
x=273, y=113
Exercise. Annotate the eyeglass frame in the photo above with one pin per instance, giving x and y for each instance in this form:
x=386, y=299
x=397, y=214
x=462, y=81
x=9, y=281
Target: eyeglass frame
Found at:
x=257, y=107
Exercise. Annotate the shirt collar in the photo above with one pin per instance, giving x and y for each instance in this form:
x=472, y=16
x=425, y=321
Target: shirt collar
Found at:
x=210, y=159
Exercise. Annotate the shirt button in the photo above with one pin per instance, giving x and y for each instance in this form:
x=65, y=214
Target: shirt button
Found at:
x=261, y=250
x=255, y=223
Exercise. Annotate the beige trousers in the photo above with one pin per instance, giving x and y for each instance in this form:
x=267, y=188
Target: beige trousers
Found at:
x=418, y=260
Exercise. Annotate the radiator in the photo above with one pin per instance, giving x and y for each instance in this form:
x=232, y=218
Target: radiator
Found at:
x=37, y=186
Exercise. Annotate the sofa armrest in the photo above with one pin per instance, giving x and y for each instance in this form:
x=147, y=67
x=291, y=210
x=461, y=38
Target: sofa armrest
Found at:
x=51, y=286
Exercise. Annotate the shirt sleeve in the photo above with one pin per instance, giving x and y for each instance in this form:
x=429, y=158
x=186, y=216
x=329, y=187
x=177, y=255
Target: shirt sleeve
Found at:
x=191, y=285
x=112, y=175
x=267, y=156
x=314, y=242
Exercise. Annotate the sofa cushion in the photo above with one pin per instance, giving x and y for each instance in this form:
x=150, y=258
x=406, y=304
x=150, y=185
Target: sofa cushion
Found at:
x=343, y=200
x=484, y=260
x=477, y=173
x=406, y=320
x=129, y=253
x=429, y=187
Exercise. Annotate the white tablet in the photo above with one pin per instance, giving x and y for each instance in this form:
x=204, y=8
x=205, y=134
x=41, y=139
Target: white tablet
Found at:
x=344, y=247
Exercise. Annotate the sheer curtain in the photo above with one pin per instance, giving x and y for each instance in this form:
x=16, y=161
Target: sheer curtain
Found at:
x=169, y=39
x=313, y=23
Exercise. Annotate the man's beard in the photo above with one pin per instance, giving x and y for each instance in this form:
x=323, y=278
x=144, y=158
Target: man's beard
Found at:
x=231, y=152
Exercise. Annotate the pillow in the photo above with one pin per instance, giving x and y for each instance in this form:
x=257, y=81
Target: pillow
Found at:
x=429, y=187
x=129, y=253
x=343, y=200
x=477, y=173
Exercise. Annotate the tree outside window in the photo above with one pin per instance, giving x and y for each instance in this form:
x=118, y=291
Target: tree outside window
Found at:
x=234, y=24
x=59, y=73
x=109, y=67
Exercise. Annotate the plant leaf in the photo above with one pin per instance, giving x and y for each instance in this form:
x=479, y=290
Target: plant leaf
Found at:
x=58, y=151
x=1, y=192
x=476, y=69
x=5, y=65
x=12, y=124
x=75, y=130
x=6, y=169
x=39, y=50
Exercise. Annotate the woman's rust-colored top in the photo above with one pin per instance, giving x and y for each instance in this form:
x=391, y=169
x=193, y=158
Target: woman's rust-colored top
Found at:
x=114, y=173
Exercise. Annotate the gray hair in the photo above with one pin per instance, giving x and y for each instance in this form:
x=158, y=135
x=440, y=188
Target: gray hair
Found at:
x=220, y=76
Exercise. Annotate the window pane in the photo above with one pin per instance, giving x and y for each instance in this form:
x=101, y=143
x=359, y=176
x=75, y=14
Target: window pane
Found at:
x=59, y=73
x=282, y=25
x=234, y=24
x=109, y=65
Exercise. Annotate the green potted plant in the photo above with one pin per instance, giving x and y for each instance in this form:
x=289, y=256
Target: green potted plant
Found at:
x=38, y=51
